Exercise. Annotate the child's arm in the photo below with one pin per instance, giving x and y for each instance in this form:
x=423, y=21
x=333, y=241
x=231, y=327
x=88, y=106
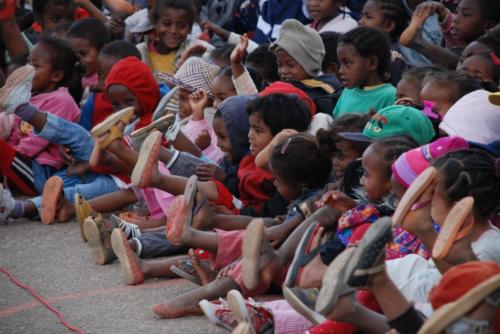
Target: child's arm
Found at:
x=119, y=6
x=11, y=35
x=241, y=78
x=228, y=36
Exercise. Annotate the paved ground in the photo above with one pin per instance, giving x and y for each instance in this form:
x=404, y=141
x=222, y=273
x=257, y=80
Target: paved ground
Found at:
x=56, y=263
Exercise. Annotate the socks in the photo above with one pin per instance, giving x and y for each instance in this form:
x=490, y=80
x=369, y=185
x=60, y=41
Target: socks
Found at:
x=18, y=211
x=26, y=112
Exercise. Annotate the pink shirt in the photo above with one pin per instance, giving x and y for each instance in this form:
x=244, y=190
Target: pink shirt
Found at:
x=58, y=103
x=194, y=128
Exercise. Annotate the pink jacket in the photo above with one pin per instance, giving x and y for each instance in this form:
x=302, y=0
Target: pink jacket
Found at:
x=194, y=128
x=58, y=103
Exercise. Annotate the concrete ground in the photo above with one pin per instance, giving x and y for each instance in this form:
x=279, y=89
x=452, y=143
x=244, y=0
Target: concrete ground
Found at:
x=56, y=263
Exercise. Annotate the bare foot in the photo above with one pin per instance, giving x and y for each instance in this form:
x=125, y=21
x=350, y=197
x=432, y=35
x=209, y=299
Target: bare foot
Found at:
x=204, y=214
x=345, y=308
x=205, y=273
x=66, y=210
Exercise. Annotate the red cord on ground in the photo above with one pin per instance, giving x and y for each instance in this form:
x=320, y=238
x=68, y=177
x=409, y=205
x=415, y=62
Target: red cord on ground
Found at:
x=42, y=300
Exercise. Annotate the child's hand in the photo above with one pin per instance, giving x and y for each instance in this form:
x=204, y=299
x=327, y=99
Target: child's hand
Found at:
x=116, y=25
x=240, y=51
x=218, y=30
x=426, y=9
x=203, y=141
x=337, y=200
x=198, y=101
x=205, y=172
x=66, y=154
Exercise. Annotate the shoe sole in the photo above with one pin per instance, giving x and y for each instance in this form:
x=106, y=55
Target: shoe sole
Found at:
x=17, y=77
x=252, y=244
x=94, y=240
x=208, y=311
x=80, y=204
x=111, y=120
x=314, y=317
x=148, y=157
x=181, y=273
x=239, y=309
x=51, y=190
x=131, y=272
x=163, y=122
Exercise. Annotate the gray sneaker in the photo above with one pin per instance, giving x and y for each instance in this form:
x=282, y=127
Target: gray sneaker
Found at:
x=7, y=204
x=17, y=89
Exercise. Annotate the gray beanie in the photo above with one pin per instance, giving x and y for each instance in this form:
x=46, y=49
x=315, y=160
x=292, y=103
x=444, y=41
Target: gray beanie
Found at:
x=303, y=43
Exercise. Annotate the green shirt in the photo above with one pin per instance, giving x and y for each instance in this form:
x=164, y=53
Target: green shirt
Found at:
x=362, y=100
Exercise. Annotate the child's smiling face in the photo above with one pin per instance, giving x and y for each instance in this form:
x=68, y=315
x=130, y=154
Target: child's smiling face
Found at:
x=87, y=53
x=121, y=97
x=222, y=88
x=259, y=135
x=173, y=27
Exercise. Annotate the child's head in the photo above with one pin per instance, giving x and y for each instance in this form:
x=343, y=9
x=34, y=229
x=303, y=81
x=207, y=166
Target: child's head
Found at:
x=488, y=42
x=410, y=85
x=482, y=66
x=388, y=16
x=474, y=17
x=88, y=36
x=173, y=20
x=111, y=53
x=54, y=61
x=466, y=173
x=323, y=10
x=299, y=51
x=444, y=88
x=264, y=63
x=377, y=160
x=223, y=86
x=130, y=83
x=330, y=62
x=51, y=13
x=343, y=151
x=364, y=57
x=270, y=114
x=296, y=173
x=231, y=127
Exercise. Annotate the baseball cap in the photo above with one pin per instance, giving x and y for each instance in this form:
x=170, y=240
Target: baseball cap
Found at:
x=396, y=120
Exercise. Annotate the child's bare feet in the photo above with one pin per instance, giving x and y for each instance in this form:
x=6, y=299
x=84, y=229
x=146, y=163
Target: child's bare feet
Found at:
x=255, y=246
x=202, y=268
x=65, y=211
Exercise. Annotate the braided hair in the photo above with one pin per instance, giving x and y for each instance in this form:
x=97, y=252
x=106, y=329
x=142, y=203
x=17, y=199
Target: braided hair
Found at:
x=473, y=173
x=389, y=149
x=394, y=10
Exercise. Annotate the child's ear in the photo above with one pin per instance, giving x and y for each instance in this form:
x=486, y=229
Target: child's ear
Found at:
x=373, y=63
x=57, y=76
x=389, y=26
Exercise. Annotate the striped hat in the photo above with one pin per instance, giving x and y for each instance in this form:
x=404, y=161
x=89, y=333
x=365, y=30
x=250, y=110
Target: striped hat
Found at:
x=196, y=73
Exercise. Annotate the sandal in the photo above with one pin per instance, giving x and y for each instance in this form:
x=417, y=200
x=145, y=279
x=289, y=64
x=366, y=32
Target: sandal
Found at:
x=186, y=270
x=50, y=196
x=110, y=125
x=416, y=189
x=308, y=248
x=448, y=313
x=334, y=285
x=254, y=240
x=82, y=210
x=304, y=301
x=455, y=227
x=99, y=240
x=162, y=124
x=369, y=252
x=147, y=160
x=129, y=261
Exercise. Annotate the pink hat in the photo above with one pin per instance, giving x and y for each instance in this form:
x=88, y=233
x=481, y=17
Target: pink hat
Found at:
x=410, y=164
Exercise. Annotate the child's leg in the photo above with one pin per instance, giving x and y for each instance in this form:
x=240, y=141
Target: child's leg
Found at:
x=18, y=169
x=113, y=201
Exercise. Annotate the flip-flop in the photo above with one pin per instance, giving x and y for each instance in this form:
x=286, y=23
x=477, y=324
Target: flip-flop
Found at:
x=96, y=232
x=161, y=124
x=455, y=227
x=181, y=211
x=371, y=247
x=304, y=301
x=187, y=271
x=51, y=191
x=147, y=160
x=416, y=189
x=238, y=307
x=22, y=75
x=255, y=236
x=448, y=313
x=242, y=328
x=308, y=248
x=110, y=125
x=209, y=310
x=334, y=285
x=131, y=271
x=82, y=210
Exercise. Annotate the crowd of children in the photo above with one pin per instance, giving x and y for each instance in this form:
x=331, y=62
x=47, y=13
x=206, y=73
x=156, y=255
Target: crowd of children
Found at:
x=342, y=156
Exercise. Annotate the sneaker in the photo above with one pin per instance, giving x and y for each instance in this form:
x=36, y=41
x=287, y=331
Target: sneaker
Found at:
x=130, y=230
x=17, y=89
x=259, y=318
x=219, y=313
x=7, y=204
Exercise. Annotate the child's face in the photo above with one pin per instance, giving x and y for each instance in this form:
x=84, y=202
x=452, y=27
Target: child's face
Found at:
x=104, y=65
x=259, y=135
x=407, y=88
x=344, y=156
x=372, y=17
x=121, y=97
x=288, y=67
x=322, y=9
x=284, y=187
x=184, y=106
x=442, y=96
x=478, y=67
x=468, y=24
x=223, y=139
x=222, y=88
x=375, y=182
x=354, y=67
x=87, y=53
x=173, y=27
x=46, y=79
x=55, y=15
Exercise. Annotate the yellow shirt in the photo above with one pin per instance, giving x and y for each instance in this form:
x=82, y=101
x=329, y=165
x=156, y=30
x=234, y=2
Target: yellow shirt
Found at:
x=163, y=63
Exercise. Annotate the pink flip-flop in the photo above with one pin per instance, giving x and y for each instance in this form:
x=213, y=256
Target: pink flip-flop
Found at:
x=51, y=191
x=148, y=159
